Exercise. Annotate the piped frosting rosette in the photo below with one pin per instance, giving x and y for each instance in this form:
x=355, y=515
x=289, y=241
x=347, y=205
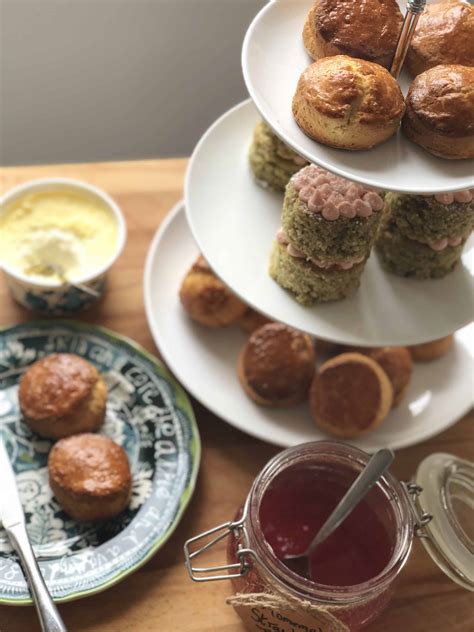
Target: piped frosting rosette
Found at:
x=328, y=219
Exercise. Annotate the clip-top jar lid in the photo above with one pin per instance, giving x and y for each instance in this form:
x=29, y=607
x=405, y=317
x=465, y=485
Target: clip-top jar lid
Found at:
x=448, y=495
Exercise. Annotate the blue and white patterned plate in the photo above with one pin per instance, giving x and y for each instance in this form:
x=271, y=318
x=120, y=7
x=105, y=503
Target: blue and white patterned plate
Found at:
x=147, y=413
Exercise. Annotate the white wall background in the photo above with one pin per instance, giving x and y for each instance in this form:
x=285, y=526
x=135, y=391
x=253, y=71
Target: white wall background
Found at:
x=84, y=80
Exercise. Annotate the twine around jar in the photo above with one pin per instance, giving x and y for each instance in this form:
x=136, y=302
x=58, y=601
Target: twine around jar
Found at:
x=277, y=602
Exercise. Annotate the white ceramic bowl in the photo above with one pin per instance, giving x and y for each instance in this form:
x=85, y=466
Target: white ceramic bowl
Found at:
x=55, y=298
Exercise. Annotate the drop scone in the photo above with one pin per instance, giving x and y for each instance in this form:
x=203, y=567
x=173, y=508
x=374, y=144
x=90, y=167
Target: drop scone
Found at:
x=423, y=236
x=272, y=162
x=328, y=228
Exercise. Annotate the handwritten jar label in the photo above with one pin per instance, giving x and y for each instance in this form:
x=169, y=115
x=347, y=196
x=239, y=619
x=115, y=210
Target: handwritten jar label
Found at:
x=258, y=619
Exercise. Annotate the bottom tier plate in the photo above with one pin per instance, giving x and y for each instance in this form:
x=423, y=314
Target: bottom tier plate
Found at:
x=204, y=360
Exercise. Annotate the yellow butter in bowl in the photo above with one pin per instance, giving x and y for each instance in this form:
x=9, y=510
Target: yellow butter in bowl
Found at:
x=67, y=231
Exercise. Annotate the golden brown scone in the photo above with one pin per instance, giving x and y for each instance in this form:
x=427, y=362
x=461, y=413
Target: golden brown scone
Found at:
x=276, y=365
x=440, y=111
x=90, y=477
x=348, y=103
x=397, y=364
x=61, y=395
x=350, y=395
x=444, y=35
x=366, y=30
x=206, y=299
x=252, y=320
x=433, y=350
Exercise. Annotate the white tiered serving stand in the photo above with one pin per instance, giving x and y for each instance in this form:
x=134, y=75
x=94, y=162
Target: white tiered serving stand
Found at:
x=233, y=221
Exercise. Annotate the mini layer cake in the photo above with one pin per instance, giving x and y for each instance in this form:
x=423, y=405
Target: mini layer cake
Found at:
x=330, y=219
x=423, y=236
x=309, y=282
x=329, y=226
x=272, y=162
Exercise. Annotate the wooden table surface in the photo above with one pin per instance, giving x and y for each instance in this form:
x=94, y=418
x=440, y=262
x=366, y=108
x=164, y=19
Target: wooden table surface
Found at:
x=160, y=596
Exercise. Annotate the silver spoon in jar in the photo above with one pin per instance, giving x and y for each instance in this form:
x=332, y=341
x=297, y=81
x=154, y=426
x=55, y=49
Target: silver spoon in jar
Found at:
x=78, y=286
x=371, y=473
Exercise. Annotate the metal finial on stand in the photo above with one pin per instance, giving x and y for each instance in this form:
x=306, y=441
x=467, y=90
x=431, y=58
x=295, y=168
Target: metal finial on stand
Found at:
x=414, y=9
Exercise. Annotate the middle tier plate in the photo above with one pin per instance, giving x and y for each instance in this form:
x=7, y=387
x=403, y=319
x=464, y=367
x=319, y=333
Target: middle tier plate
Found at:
x=234, y=221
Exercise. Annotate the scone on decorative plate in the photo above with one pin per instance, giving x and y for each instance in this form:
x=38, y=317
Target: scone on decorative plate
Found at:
x=62, y=394
x=137, y=476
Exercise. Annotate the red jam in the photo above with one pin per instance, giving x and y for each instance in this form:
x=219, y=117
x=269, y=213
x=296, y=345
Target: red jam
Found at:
x=352, y=575
x=294, y=507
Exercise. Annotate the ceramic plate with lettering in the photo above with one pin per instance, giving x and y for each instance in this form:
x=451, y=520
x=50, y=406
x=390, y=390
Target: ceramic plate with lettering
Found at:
x=234, y=222
x=147, y=413
x=205, y=362
x=273, y=58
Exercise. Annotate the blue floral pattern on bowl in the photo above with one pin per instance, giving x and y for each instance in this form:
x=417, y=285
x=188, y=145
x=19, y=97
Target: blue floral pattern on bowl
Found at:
x=56, y=301
x=147, y=413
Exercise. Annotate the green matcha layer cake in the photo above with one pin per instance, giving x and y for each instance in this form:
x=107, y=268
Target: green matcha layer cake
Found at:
x=409, y=258
x=431, y=219
x=308, y=282
x=423, y=236
x=329, y=218
x=272, y=162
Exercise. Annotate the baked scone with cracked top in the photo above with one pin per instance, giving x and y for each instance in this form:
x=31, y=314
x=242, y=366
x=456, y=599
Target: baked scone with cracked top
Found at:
x=444, y=35
x=90, y=477
x=397, y=364
x=439, y=112
x=350, y=395
x=367, y=30
x=276, y=365
x=62, y=394
x=206, y=299
x=348, y=103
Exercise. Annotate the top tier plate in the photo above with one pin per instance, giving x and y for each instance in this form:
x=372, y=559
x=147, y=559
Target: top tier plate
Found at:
x=273, y=58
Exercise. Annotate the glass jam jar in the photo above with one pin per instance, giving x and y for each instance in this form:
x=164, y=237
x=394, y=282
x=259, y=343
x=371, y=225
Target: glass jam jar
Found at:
x=352, y=574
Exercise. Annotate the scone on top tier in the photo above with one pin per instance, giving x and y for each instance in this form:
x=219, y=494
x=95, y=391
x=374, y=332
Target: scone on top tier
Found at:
x=348, y=103
x=423, y=236
x=367, y=30
x=439, y=112
x=330, y=219
x=272, y=162
x=444, y=35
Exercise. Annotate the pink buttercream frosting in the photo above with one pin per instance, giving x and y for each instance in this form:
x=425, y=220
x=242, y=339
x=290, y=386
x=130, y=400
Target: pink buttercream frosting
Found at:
x=295, y=252
x=441, y=244
x=334, y=197
x=462, y=197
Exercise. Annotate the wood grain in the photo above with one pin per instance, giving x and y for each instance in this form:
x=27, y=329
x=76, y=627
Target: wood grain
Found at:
x=160, y=596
